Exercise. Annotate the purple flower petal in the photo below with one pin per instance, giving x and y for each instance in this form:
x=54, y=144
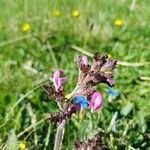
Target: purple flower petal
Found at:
x=85, y=60
x=63, y=80
x=57, y=74
x=58, y=81
x=96, y=101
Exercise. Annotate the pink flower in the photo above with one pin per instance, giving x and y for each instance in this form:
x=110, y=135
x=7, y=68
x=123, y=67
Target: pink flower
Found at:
x=58, y=81
x=82, y=62
x=85, y=60
x=96, y=101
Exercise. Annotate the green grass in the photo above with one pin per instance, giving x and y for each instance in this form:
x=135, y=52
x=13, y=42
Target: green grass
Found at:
x=47, y=46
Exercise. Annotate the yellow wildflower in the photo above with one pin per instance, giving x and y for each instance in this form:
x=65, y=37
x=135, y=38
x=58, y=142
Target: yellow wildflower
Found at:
x=26, y=27
x=109, y=56
x=56, y=13
x=75, y=13
x=118, y=22
x=22, y=146
x=67, y=96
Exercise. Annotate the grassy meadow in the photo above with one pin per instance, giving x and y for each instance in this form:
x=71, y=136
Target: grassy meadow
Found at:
x=39, y=36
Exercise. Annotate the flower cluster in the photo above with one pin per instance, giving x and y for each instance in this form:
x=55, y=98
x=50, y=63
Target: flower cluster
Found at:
x=57, y=118
x=95, y=143
x=84, y=94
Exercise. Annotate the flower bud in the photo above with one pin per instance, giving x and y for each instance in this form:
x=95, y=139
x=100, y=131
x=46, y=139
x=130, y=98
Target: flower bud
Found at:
x=96, y=101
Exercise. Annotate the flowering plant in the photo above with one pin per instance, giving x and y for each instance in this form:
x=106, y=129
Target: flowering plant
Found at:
x=84, y=94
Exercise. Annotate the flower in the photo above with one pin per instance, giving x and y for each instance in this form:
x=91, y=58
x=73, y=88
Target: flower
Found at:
x=82, y=63
x=58, y=81
x=118, y=22
x=75, y=13
x=56, y=13
x=58, y=117
x=26, y=27
x=96, y=101
x=22, y=146
x=96, y=142
x=82, y=101
x=112, y=92
x=84, y=67
x=68, y=96
x=102, y=70
x=85, y=60
x=109, y=56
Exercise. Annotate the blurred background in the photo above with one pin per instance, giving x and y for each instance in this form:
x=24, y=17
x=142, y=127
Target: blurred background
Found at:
x=39, y=36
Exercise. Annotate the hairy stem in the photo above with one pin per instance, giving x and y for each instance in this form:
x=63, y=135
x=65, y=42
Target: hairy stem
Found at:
x=59, y=135
x=61, y=128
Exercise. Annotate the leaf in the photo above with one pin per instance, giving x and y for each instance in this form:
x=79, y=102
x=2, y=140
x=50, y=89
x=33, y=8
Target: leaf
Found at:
x=19, y=119
x=12, y=142
x=127, y=109
x=141, y=121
